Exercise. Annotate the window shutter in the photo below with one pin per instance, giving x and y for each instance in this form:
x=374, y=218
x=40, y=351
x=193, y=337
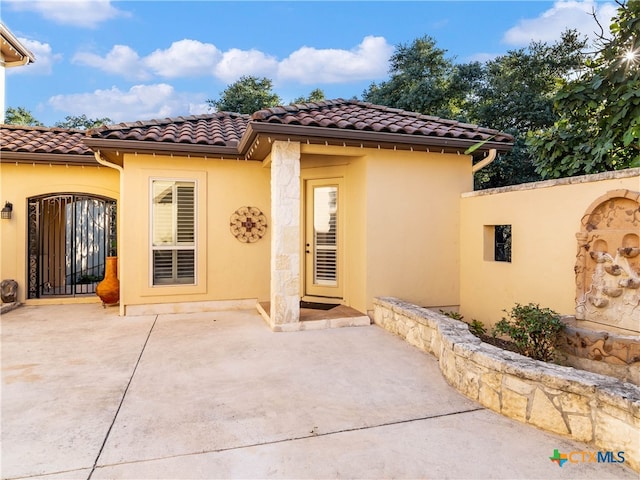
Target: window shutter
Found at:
x=173, y=228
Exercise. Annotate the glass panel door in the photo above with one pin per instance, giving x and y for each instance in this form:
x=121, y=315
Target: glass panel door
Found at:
x=322, y=240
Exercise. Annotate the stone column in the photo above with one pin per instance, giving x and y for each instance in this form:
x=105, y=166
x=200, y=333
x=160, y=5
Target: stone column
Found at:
x=285, y=233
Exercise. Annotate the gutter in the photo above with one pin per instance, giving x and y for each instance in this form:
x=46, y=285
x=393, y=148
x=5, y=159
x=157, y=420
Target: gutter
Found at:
x=18, y=63
x=486, y=161
x=120, y=170
x=14, y=44
x=360, y=138
x=163, y=148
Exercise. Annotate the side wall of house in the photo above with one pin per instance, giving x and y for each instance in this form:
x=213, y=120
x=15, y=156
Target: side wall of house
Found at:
x=18, y=183
x=226, y=269
x=544, y=218
x=401, y=221
x=413, y=211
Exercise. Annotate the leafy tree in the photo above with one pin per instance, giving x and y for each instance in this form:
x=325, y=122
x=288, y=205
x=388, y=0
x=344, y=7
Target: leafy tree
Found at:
x=21, y=116
x=420, y=77
x=82, y=122
x=512, y=93
x=516, y=96
x=247, y=95
x=315, y=95
x=599, y=112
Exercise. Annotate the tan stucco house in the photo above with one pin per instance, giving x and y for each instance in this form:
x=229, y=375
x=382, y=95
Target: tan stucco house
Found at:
x=336, y=202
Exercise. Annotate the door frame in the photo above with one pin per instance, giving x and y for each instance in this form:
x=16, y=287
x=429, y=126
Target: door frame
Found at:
x=311, y=292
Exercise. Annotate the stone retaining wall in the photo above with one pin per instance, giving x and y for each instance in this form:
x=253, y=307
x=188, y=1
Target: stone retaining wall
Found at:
x=588, y=407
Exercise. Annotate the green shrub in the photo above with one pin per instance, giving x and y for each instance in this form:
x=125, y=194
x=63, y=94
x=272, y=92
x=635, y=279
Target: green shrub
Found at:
x=477, y=328
x=454, y=315
x=534, y=330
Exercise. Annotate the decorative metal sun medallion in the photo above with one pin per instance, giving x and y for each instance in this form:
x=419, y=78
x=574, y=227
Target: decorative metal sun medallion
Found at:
x=248, y=224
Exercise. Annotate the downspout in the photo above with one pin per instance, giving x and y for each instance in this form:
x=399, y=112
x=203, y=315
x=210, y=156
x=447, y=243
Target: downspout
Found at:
x=485, y=161
x=120, y=170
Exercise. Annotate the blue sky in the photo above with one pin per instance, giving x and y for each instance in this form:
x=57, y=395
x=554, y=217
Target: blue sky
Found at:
x=153, y=59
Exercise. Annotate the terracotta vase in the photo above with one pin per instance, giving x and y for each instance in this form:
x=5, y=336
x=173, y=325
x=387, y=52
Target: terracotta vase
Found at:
x=109, y=288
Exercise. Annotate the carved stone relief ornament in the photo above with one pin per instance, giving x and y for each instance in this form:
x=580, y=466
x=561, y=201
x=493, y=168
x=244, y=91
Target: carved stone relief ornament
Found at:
x=608, y=261
x=248, y=224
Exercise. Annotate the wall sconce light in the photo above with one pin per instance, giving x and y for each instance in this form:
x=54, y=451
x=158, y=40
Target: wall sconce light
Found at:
x=6, y=211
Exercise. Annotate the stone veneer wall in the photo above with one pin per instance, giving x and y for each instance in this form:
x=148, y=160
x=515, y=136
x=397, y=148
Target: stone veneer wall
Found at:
x=588, y=407
x=285, y=233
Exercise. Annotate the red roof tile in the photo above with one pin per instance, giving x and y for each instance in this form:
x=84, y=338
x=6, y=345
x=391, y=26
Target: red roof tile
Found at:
x=228, y=133
x=23, y=139
x=355, y=115
x=218, y=129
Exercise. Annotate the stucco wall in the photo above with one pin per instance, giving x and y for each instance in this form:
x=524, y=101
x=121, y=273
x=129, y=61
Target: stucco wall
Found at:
x=401, y=221
x=22, y=181
x=545, y=217
x=413, y=225
x=226, y=268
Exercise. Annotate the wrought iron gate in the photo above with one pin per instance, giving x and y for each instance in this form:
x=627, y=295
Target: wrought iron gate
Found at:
x=70, y=236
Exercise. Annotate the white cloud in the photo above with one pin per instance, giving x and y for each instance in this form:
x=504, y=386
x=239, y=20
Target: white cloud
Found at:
x=191, y=58
x=45, y=58
x=367, y=61
x=121, y=60
x=549, y=26
x=185, y=58
x=140, y=102
x=79, y=13
x=236, y=63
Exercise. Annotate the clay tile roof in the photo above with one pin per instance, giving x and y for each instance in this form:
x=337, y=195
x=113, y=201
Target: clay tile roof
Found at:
x=356, y=115
x=218, y=129
x=232, y=133
x=22, y=139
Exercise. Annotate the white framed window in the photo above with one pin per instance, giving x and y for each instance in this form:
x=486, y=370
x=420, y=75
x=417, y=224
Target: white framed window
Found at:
x=173, y=232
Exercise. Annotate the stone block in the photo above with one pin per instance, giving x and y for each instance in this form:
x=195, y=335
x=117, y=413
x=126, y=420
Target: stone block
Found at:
x=572, y=403
x=469, y=381
x=489, y=397
x=545, y=415
x=414, y=337
x=282, y=262
x=581, y=427
x=514, y=405
x=492, y=379
x=611, y=433
x=517, y=385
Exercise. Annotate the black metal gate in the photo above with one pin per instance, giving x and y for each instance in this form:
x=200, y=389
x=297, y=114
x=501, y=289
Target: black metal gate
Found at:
x=70, y=236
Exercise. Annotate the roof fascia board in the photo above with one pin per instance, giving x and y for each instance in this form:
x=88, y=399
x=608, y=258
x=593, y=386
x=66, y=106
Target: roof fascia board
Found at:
x=160, y=147
x=17, y=46
x=48, y=158
x=367, y=138
x=297, y=133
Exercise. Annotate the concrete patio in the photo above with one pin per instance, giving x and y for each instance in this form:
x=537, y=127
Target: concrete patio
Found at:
x=88, y=394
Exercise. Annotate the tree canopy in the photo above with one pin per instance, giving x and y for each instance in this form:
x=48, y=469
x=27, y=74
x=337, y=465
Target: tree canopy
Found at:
x=420, y=81
x=512, y=93
x=598, y=125
x=82, y=122
x=21, y=116
x=516, y=95
x=247, y=95
x=316, y=95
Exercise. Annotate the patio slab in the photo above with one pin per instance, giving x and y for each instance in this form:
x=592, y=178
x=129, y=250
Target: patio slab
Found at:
x=64, y=371
x=88, y=394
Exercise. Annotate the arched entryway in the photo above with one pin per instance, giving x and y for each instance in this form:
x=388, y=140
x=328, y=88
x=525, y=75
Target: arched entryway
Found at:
x=69, y=237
